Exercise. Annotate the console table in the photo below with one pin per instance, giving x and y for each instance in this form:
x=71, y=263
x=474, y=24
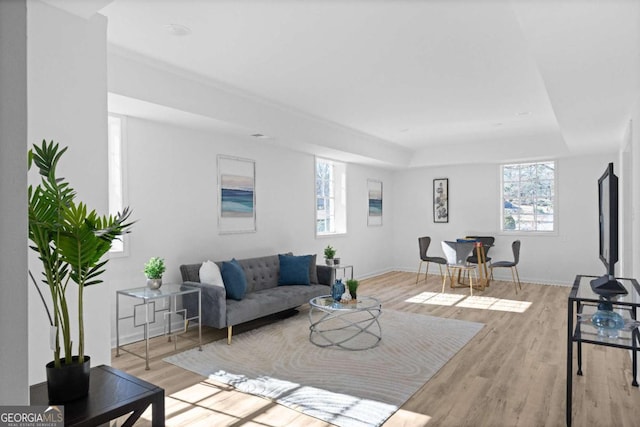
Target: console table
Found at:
x=112, y=394
x=583, y=302
x=149, y=297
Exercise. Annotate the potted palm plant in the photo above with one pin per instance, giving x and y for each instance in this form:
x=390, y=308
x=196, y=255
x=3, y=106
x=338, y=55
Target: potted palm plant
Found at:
x=71, y=241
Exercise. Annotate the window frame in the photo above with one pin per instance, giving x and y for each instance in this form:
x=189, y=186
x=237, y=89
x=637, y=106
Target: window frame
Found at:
x=555, y=201
x=337, y=197
x=124, y=251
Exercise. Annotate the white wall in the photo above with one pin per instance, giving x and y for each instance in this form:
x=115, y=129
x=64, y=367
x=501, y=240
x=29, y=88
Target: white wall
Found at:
x=172, y=188
x=67, y=103
x=474, y=209
x=626, y=196
x=13, y=204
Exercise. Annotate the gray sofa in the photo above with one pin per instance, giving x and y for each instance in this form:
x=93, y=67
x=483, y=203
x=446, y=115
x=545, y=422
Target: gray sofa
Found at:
x=263, y=295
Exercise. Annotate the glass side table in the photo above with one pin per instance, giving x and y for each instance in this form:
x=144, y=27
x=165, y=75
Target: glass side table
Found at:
x=581, y=305
x=149, y=297
x=343, y=268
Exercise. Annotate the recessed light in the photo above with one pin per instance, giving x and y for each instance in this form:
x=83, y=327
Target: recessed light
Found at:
x=177, y=29
x=523, y=113
x=260, y=136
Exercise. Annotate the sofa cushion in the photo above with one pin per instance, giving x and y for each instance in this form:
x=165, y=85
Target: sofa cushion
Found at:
x=313, y=269
x=294, y=270
x=234, y=279
x=210, y=274
x=268, y=301
x=261, y=272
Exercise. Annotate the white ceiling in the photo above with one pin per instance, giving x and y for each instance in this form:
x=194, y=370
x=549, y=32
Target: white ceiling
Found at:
x=524, y=79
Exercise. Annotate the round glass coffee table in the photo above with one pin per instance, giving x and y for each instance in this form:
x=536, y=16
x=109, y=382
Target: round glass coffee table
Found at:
x=347, y=325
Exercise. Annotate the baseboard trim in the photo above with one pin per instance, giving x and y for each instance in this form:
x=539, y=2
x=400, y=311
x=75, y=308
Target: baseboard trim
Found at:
x=500, y=277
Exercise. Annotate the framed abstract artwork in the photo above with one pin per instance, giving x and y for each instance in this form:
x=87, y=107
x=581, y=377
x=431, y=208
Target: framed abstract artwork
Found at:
x=441, y=200
x=374, y=197
x=236, y=195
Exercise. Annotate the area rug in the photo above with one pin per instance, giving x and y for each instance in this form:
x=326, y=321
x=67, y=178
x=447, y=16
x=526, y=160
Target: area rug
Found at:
x=345, y=388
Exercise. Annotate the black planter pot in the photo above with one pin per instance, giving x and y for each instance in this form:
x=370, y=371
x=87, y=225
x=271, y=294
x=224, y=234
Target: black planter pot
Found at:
x=69, y=382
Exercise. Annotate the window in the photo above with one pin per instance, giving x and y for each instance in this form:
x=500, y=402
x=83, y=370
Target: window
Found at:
x=331, y=197
x=528, y=197
x=116, y=172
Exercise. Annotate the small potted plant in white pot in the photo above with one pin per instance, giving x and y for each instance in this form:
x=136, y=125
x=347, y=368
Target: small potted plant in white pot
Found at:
x=329, y=253
x=153, y=269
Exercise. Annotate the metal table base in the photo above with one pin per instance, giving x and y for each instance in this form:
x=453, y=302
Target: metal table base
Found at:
x=149, y=298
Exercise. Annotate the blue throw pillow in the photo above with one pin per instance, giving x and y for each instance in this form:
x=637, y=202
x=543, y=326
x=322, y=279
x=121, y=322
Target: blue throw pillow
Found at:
x=294, y=270
x=234, y=279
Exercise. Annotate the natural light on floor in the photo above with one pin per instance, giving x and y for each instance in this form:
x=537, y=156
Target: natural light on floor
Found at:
x=213, y=403
x=478, y=302
x=436, y=298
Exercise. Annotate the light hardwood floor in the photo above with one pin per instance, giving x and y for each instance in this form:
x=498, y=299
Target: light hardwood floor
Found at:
x=513, y=373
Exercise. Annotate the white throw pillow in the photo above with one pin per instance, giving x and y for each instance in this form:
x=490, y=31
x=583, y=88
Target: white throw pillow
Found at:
x=210, y=274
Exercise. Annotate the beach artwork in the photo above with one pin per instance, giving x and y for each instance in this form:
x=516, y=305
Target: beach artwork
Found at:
x=374, y=196
x=375, y=203
x=236, y=196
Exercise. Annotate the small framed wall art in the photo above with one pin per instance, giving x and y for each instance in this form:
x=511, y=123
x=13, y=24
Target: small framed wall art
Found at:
x=441, y=200
x=236, y=195
x=374, y=197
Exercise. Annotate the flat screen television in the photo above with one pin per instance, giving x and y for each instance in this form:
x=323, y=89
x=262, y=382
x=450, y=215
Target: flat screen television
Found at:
x=607, y=285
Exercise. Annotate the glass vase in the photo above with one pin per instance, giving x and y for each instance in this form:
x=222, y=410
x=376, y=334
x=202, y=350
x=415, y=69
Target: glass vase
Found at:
x=337, y=289
x=607, y=321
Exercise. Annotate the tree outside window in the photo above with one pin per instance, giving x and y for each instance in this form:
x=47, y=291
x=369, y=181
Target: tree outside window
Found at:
x=528, y=197
x=330, y=197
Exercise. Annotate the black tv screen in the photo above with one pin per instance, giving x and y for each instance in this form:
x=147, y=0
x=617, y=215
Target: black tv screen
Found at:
x=608, y=213
x=607, y=285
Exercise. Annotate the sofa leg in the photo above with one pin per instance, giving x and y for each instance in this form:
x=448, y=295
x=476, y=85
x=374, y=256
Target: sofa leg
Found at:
x=229, y=332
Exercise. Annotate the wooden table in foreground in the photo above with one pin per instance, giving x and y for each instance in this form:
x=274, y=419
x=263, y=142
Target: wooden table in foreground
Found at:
x=112, y=394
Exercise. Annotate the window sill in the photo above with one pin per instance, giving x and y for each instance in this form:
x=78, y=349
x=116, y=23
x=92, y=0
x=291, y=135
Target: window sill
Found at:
x=528, y=233
x=324, y=235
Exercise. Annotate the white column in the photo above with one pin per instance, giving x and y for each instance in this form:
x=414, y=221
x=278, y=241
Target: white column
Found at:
x=13, y=204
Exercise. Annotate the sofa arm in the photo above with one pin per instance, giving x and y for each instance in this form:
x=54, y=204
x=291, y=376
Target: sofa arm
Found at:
x=214, y=304
x=324, y=274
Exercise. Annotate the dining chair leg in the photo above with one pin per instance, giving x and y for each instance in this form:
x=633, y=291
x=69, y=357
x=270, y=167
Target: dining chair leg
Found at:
x=426, y=272
x=440, y=265
x=444, y=279
x=515, y=284
x=471, y=284
x=518, y=276
x=419, y=268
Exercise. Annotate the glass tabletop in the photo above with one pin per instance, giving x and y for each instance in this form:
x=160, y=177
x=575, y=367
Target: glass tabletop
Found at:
x=582, y=291
x=326, y=302
x=166, y=290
